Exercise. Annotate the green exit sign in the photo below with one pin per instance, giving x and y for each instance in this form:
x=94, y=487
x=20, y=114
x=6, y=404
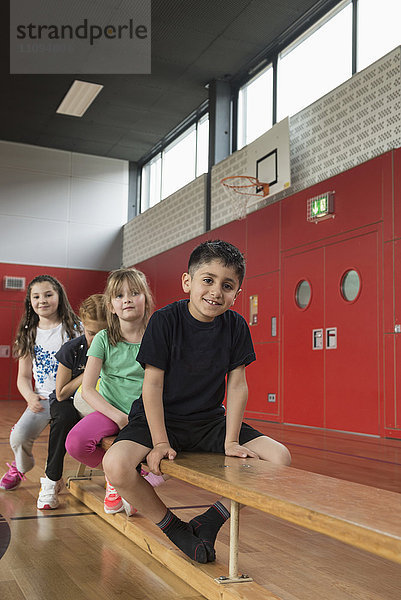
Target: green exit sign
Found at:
x=320, y=207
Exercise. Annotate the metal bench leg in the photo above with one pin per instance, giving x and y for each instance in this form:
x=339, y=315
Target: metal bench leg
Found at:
x=80, y=475
x=233, y=576
x=81, y=470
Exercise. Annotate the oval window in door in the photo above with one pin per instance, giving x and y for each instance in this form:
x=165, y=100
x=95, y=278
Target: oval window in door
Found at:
x=350, y=285
x=303, y=294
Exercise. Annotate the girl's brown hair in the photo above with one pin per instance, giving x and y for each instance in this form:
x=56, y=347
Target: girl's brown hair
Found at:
x=26, y=333
x=93, y=308
x=137, y=282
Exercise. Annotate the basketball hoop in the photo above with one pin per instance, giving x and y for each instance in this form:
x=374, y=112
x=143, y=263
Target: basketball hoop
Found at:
x=240, y=189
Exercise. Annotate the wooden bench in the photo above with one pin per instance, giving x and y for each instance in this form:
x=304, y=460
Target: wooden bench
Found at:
x=359, y=515
x=356, y=514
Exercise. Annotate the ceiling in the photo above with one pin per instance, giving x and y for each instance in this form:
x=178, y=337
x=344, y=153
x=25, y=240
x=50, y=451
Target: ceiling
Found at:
x=193, y=42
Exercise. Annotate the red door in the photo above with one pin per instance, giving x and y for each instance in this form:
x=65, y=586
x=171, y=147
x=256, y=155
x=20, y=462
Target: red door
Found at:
x=331, y=345
x=303, y=366
x=352, y=370
x=7, y=363
x=263, y=374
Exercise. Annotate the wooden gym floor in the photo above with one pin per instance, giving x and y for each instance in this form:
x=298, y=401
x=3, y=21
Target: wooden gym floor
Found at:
x=71, y=554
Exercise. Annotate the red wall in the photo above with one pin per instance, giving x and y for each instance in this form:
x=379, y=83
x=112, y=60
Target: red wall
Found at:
x=79, y=284
x=357, y=385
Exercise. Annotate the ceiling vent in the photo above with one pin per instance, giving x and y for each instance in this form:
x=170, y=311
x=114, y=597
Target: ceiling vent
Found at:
x=14, y=283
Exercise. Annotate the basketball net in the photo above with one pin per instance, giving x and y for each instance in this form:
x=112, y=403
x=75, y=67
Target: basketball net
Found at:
x=240, y=189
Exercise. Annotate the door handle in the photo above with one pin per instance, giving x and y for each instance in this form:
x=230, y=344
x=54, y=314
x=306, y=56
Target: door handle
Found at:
x=317, y=339
x=331, y=338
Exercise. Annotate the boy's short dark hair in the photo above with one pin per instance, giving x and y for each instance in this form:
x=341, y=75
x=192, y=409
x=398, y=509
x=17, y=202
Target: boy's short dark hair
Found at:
x=225, y=252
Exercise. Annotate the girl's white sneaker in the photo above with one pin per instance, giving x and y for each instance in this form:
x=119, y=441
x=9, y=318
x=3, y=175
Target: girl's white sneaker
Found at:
x=48, y=493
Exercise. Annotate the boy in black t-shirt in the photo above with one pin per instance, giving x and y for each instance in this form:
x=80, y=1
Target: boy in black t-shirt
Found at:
x=188, y=349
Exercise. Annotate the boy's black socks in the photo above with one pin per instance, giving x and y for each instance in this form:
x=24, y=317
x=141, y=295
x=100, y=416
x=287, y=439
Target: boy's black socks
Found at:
x=207, y=525
x=181, y=534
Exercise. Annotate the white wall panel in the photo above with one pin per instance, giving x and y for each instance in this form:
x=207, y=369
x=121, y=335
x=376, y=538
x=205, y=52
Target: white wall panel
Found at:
x=100, y=168
x=33, y=241
x=94, y=244
x=35, y=158
x=61, y=209
x=33, y=194
x=98, y=202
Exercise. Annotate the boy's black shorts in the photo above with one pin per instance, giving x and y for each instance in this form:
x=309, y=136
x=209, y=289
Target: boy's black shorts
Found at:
x=192, y=436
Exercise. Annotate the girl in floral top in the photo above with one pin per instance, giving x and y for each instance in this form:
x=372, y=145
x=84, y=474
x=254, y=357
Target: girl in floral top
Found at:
x=48, y=322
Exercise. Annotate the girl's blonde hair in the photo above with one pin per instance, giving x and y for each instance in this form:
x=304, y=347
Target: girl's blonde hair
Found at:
x=93, y=308
x=24, y=344
x=137, y=283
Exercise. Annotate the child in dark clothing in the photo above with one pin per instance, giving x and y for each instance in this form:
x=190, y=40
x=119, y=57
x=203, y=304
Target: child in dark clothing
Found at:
x=187, y=351
x=72, y=360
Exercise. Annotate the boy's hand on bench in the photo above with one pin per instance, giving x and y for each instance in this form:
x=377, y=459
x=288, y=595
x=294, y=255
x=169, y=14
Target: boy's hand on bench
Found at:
x=162, y=450
x=234, y=449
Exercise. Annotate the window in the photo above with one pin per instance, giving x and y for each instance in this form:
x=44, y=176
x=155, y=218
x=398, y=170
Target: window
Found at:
x=202, y=146
x=255, y=107
x=178, y=164
x=151, y=183
x=303, y=294
x=350, y=285
x=315, y=63
x=378, y=29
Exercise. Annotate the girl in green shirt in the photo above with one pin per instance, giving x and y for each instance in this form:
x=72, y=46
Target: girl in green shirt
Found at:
x=112, y=356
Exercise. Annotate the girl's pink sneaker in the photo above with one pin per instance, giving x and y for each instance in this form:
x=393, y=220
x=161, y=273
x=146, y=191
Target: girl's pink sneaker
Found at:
x=112, y=500
x=12, y=478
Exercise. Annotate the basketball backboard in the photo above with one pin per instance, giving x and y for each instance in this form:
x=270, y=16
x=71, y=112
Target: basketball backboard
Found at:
x=268, y=158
